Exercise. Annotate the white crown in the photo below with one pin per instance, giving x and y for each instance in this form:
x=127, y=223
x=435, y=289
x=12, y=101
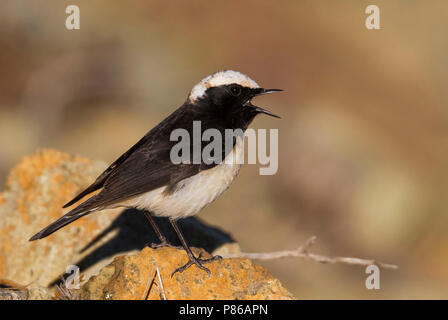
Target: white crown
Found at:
x=218, y=79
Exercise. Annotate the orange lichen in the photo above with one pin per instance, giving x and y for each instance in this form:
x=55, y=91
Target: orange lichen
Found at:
x=6, y=244
x=2, y=200
x=23, y=211
x=37, y=189
x=2, y=268
x=31, y=167
x=65, y=188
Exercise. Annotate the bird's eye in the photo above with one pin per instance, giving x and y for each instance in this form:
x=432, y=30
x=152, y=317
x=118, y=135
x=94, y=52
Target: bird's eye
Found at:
x=235, y=90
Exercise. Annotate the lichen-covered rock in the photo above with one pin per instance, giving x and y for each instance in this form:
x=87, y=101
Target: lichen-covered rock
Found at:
x=130, y=277
x=9, y=290
x=38, y=187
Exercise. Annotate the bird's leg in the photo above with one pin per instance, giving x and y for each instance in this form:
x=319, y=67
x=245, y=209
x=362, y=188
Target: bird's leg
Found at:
x=163, y=241
x=192, y=259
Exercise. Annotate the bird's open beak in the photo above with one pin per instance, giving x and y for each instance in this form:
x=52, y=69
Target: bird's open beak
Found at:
x=269, y=113
x=261, y=91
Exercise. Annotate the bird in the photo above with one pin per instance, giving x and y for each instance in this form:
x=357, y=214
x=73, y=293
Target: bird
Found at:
x=145, y=177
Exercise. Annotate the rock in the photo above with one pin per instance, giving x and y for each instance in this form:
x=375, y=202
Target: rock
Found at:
x=10, y=290
x=12, y=294
x=130, y=276
x=36, y=190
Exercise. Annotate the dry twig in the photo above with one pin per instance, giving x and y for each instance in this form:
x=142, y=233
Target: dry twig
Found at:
x=160, y=285
x=148, y=285
x=66, y=293
x=302, y=252
x=152, y=281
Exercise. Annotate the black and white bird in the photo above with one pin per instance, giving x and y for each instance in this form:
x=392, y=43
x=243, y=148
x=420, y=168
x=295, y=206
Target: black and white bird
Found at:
x=144, y=177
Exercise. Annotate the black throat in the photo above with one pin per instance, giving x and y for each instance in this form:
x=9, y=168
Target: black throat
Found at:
x=227, y=116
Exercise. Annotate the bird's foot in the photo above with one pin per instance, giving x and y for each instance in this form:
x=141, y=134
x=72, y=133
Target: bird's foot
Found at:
x=198, y=262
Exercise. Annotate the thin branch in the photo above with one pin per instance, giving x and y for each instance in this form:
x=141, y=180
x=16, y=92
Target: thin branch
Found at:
x=151, y=281
x=66, y=293
x=148, y=285
x=160, y=285
x=302, y=252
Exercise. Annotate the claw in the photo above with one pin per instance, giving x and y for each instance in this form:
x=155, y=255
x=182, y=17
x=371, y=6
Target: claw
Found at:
x=198, y=262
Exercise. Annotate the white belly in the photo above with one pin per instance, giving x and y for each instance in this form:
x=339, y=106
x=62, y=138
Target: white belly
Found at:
x=194, y=193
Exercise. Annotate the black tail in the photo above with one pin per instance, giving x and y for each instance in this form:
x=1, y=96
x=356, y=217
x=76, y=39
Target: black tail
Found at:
x=78, y=212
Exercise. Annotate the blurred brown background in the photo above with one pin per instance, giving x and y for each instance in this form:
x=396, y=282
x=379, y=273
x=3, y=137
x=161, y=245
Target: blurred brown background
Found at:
x=363, y=135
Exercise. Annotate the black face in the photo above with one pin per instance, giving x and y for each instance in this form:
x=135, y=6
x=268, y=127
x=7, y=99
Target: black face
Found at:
x=232, y=103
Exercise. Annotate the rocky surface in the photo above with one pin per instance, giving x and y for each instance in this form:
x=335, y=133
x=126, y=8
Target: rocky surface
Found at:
x=36, y=190
x=130, y=277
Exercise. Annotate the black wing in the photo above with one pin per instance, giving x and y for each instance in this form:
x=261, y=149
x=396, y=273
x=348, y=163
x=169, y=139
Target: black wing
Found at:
x=99, y=182
x=147, y=141
x=147, y=165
